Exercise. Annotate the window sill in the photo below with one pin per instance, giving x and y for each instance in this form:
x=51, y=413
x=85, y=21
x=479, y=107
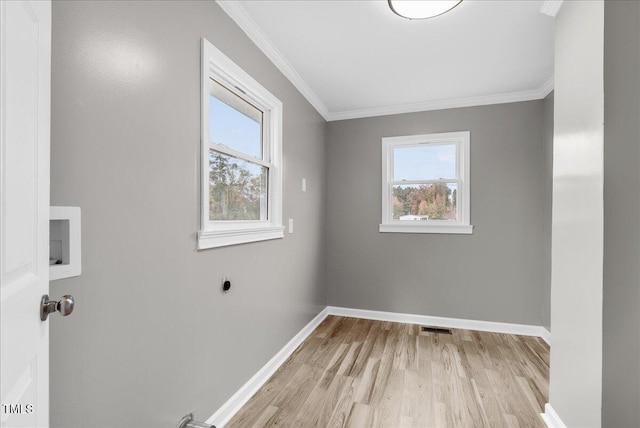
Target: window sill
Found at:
x=457, y=229
x=213, y=239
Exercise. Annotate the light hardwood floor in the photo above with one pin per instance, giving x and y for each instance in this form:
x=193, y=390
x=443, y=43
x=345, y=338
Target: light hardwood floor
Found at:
x=360, y=373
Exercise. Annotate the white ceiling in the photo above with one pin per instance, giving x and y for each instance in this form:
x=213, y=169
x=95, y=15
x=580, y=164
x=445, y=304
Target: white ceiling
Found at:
x=355, y=58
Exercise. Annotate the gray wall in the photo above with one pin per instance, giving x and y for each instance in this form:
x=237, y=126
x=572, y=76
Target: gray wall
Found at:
x=152, y=338
x=500, y=273
x=548, y=195
x=621, y=314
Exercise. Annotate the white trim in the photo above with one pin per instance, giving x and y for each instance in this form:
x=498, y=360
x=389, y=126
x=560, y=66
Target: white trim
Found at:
x=224, y=414
x=551, y=7
x=222, y=238
x=411, y=227
x=551, y=418
x=547, y=87
x=511, y=97
x=240, y=16
x=494, y=327
x=240, y=398
x=216, y=65
x=545, y=335
x=462, y=141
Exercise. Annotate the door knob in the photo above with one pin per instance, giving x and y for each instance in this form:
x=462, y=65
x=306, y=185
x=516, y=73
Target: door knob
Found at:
x=64, y=306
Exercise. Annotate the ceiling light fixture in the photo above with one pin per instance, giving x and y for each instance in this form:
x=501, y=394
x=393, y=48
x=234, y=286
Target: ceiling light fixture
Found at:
x=421, y=9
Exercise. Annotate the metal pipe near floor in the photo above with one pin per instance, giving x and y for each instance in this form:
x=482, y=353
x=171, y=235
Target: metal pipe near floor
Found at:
x=188, y=422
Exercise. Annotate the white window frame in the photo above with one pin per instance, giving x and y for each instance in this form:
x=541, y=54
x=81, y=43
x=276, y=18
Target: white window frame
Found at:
x=463, y=224
x=212, y=234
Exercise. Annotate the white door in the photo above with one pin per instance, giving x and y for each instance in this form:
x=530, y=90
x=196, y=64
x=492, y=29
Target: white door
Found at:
x=25, y=85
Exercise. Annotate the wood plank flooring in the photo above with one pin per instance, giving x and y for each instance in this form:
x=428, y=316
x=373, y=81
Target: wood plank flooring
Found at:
x=360, y=373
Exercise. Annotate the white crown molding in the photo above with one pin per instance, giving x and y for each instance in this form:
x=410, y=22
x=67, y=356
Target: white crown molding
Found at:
x=551, y=7
x=239, y=15
x=551, y=418
x=546, y=87
x=511, y=97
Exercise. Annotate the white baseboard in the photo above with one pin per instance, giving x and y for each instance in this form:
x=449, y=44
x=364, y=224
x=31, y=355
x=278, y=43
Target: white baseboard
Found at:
x=240, y=398
x=495, y=327
x=551, y=418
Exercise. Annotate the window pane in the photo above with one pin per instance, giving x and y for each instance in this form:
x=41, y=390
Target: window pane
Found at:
x=234, y=122
x=426, y=162
x=425, y=202
x=237, y=189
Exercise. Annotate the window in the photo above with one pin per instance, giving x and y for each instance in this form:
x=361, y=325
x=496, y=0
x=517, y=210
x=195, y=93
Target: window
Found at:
x=241, y=156
x=425, y=184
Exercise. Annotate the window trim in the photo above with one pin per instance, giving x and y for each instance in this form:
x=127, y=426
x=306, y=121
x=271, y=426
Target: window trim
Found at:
x=463, y=225
x=217, y=66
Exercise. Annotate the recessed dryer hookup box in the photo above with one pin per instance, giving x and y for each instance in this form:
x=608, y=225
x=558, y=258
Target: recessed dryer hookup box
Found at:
x=64, y=242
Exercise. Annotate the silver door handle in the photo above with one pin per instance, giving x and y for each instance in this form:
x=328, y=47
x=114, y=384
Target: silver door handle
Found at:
x=64, y=306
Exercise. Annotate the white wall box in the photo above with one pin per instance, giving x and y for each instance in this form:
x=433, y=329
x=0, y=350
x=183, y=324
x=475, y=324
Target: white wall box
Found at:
x=64, y=242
